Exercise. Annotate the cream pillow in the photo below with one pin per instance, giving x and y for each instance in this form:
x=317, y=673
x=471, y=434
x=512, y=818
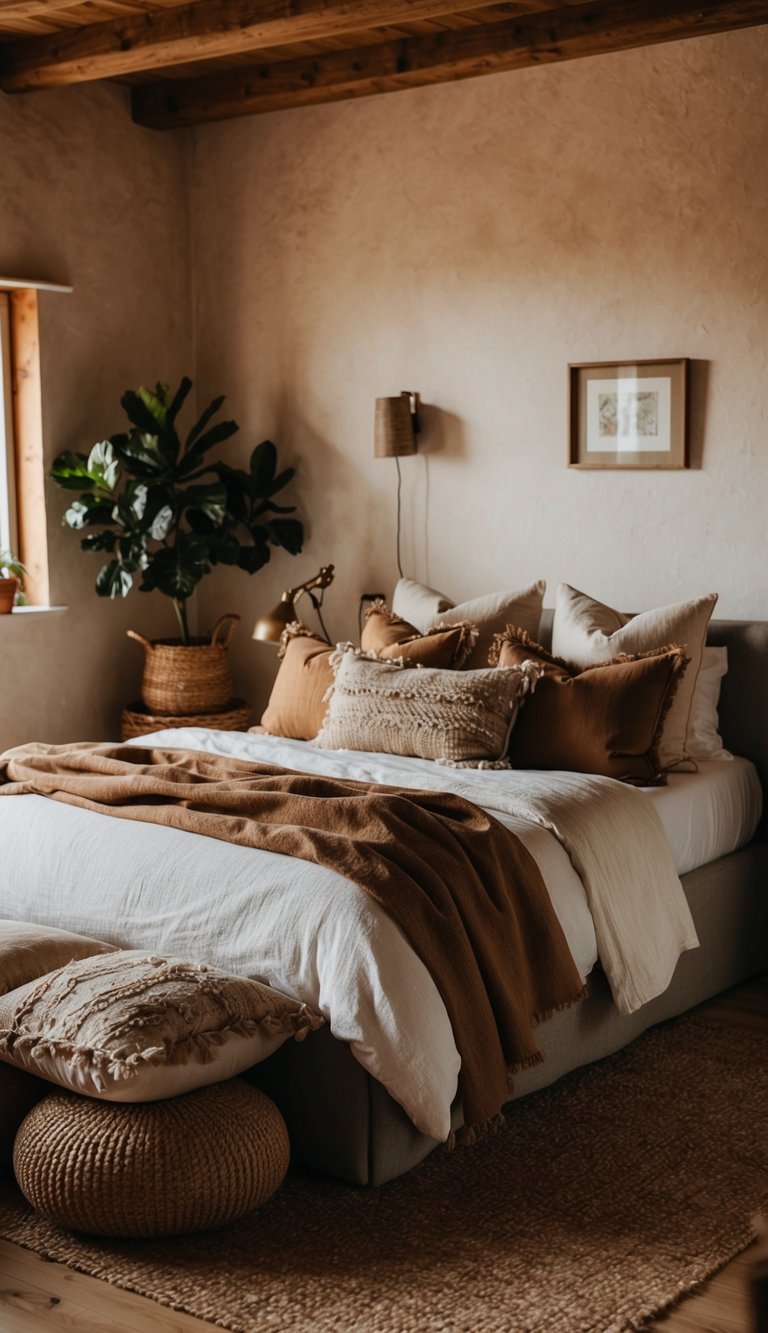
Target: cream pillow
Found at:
x=704, y=739
x=28, y=951
x=491, y=613
x=418, y=604
x=460, y=718
x=134, y=1027
x=587, y=633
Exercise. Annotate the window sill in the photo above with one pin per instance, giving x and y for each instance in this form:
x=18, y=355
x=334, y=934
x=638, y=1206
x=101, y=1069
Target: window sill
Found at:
x=36, y=611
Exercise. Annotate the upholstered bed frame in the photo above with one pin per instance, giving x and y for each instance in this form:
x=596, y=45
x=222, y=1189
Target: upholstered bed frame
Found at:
x=344, y=1122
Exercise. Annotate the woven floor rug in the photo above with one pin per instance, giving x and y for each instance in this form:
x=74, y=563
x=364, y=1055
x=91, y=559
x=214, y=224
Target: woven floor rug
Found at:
x=606, y=1198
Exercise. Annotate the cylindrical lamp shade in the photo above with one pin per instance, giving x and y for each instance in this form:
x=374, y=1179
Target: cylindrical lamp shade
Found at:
x=393, y=427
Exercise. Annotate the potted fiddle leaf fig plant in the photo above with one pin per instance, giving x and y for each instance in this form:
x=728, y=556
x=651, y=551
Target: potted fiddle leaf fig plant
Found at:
x=12, y=573
x=165, y=511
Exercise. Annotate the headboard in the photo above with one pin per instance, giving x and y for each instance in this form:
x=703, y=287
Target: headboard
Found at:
x=743, y=707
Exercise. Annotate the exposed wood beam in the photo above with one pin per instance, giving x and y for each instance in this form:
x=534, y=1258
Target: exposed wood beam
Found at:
x=205, y=30
x=562, y=34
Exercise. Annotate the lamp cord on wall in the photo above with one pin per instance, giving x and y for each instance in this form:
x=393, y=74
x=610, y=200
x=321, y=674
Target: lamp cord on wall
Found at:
x=399, y=489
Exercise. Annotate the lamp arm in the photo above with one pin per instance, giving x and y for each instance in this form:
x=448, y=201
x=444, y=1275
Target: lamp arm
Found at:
x=322, y=580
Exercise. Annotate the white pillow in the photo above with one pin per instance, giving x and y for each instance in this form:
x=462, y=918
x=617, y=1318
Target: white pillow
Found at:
x=427, y=609
x=587, y=633
x=704, y=740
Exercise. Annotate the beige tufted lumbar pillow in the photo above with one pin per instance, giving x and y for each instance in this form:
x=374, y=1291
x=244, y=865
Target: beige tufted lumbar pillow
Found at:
x=461, y=718
x=135, y=1027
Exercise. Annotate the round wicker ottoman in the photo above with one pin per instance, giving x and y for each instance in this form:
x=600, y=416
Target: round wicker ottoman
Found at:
x=146, y=1169
x=19, y=1092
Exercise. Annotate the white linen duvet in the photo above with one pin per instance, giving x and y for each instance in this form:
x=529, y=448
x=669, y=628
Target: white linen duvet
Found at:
x=305, y=930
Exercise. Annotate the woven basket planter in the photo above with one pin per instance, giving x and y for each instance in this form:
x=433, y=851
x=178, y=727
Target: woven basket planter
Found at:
x=187, y=679
x=138, y=721
x=146, y=1169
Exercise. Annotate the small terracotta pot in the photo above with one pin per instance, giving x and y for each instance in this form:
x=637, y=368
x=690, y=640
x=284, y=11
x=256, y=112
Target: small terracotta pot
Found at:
x=8, y=590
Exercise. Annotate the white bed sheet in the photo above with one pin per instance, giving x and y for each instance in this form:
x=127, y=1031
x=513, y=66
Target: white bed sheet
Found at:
x=710, y=813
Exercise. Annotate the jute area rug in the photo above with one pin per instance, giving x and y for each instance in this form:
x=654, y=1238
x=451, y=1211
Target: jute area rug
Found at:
x=606, y=1198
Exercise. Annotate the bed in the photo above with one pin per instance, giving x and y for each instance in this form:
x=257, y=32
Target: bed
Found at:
x=332, y=1088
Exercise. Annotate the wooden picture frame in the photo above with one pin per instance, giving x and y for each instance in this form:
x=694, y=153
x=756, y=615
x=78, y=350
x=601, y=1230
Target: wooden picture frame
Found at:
x=628, y=414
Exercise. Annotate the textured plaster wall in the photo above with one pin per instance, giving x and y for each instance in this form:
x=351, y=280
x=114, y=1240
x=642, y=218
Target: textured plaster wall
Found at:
x=89, y=199
x=468, y=241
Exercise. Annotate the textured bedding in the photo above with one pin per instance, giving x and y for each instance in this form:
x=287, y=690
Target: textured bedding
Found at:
x=314, y=935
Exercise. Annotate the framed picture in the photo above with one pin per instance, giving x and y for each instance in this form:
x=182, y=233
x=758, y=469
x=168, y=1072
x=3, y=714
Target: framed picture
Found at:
x=626, y=414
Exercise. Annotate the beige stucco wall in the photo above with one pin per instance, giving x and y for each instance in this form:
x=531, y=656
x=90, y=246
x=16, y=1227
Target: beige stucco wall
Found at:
x=468, y=241
x=89, y=199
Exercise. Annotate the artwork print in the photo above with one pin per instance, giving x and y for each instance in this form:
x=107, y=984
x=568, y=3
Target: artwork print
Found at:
x=632, y=413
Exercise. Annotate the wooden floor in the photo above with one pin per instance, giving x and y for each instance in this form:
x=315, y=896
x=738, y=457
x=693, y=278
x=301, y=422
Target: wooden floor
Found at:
x=37, y=1296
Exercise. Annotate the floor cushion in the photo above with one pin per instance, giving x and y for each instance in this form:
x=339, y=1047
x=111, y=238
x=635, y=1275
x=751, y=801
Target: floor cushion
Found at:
x=152, y=1169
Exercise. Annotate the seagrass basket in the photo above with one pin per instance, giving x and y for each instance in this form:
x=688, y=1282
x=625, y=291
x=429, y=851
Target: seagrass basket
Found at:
x=187, y=678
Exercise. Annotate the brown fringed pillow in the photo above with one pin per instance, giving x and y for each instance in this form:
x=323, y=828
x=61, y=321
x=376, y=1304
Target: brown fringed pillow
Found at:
x=606, y=719
x=132, y=1026
x=297, y=704
x=389, y=637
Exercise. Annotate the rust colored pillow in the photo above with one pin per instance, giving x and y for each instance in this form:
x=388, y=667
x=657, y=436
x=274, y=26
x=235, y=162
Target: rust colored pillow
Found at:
x=605, y=719
x=297, y=704
x=390, y=637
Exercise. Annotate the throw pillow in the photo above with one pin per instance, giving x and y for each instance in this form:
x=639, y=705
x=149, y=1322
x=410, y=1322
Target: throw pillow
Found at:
x=489, y=613
x=297, y=703
x=704, y=739
x=134, y=1027
x=605, y=719
x=28, y=951
x=461, y=718
x=586, y=632
x=388, y=636
x=418, y=604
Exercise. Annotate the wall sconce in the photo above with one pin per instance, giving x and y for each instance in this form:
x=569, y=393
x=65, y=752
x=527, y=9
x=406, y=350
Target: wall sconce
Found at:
x=269, y=628
x=395, y=427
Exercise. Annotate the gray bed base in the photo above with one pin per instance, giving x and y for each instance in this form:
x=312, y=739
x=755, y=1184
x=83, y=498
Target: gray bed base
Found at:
x=343, y=1122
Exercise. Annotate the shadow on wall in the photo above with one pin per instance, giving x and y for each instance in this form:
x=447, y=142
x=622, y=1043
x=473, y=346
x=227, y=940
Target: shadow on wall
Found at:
x=698, y=394
x=441, y=433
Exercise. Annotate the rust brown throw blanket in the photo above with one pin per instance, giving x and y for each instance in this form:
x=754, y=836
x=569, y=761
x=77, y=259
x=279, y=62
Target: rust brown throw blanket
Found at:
x=464, y=890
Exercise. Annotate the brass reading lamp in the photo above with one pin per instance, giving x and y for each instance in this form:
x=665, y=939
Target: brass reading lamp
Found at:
x=395, y=427
x=269, y=628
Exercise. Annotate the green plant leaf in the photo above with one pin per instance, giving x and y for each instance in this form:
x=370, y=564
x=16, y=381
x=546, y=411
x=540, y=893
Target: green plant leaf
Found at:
x=113, y=580
x=177, y=570
x=87, y=510
x=103, y=465
x=99, y=541
x=155, y=402
x=262, y=466
x=161, y=524
x=139, y=412
x=200, y=425
x=286, y=532
x=254, y=557
x=216, y=435
x=210, y=500
x=71, y=471
x=178, y=400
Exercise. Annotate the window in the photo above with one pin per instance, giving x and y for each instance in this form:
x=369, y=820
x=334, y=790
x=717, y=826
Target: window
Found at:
x=22, y=472
x=8, y=531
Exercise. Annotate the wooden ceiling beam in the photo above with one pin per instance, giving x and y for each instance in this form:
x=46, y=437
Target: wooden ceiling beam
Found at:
x=555, y=35
x=204, y=30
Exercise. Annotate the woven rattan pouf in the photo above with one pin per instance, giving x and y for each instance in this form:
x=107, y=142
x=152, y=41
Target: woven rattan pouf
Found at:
x=147, y=1169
